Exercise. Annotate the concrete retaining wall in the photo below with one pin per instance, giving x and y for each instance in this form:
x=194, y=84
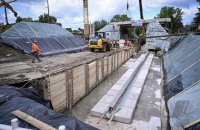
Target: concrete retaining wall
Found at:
x=66, y=88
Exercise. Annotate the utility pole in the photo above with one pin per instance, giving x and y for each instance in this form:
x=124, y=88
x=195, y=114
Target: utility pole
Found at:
x=86, y=19
x=48, y=9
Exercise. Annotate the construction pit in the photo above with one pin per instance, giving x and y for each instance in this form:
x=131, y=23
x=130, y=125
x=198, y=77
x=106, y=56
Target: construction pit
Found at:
x=76, y=82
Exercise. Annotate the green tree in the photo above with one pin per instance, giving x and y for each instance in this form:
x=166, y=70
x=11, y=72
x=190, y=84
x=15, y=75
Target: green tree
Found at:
x=120, y=18
x=28, y=19
x=176, y=17
x=69, y=29
x=45, y=19
x=198, y=1
x=100, y=24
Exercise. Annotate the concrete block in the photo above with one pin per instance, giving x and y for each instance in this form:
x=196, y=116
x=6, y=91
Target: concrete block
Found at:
x=99, y=109
x=133, y=95
x=112, y=92
x=124, y=115
x=130, y=103
x=136, y=90
x=138, y=84
x=117, y=87
x=107, y=99
x=121, y=82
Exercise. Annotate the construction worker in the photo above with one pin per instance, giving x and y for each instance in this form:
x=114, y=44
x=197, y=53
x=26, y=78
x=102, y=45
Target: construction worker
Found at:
x=35, y=51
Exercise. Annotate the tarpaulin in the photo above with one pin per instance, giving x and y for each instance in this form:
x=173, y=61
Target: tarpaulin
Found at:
x=182, y=67
x=52, y=38
x=183, y=60
x=29, y=102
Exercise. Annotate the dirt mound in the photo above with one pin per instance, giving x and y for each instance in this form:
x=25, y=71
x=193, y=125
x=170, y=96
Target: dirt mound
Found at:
x=9, y=54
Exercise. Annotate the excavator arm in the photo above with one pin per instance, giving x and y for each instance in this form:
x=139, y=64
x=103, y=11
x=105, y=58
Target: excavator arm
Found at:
x=7, y=5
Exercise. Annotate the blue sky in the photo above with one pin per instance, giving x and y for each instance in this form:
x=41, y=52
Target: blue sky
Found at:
x=70, y=12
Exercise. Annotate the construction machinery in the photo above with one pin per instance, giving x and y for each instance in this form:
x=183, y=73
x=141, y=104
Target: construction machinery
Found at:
x=7, y=5
x=99, y=42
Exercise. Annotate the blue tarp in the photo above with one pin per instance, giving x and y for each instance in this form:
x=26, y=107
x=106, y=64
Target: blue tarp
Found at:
x=52, y=38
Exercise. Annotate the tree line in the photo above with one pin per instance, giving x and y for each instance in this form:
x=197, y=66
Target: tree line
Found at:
x=44, y=18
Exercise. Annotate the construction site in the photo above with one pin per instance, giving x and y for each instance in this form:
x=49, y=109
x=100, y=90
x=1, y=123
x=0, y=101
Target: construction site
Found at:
x=105, y=80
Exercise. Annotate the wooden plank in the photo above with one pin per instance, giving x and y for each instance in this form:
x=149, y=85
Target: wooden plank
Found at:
x=56, y=78
x=100, y=70
x=33, y=121
x=110, y=64
x=79, y=88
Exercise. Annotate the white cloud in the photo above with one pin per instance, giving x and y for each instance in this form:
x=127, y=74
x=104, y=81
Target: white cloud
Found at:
x=70, y=12
x=189, y=14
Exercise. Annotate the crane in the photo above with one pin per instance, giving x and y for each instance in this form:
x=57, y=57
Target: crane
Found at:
x=7, y=5
x=86, y=19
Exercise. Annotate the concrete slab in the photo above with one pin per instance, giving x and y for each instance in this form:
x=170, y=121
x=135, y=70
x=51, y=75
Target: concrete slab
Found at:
x=133, y=95
x=124, y=115
x=117, y=87
x=99, y=109
x=130, y=103
x=107, y=99
x=112, y=92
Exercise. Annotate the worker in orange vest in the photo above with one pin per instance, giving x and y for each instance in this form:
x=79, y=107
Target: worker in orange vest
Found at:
x=35, y=51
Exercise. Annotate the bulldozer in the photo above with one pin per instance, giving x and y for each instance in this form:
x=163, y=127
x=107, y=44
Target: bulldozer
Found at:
x=100, y=42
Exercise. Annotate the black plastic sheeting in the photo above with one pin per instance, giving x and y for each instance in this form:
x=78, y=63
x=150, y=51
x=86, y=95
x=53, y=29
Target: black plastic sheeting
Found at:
x=52, y=39
x=182, y=67
x=183, y=61
x=28, y=101
x=175, y=86
x=184, y=109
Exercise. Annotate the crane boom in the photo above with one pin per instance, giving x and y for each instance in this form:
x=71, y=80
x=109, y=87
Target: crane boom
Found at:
x=7, y=5
x=86, y=19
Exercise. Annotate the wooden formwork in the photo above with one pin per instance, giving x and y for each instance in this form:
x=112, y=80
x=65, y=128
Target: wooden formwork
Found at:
x=100, y=70
x=105, y=67
x=120, y=58
x=79, y=84
x=57, y=91
x=110, y=64
x=66, y=88
x=92, y=75
x=123, y=57
x=116, y=61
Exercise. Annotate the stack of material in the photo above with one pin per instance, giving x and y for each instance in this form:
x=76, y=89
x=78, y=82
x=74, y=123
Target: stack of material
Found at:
x=126, y=108
x=52, y=38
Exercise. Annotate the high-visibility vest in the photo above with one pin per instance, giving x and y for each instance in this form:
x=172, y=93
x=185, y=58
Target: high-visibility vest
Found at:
x=35, y=48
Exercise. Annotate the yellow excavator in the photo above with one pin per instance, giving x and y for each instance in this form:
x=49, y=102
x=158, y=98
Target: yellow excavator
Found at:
x=99, y=42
